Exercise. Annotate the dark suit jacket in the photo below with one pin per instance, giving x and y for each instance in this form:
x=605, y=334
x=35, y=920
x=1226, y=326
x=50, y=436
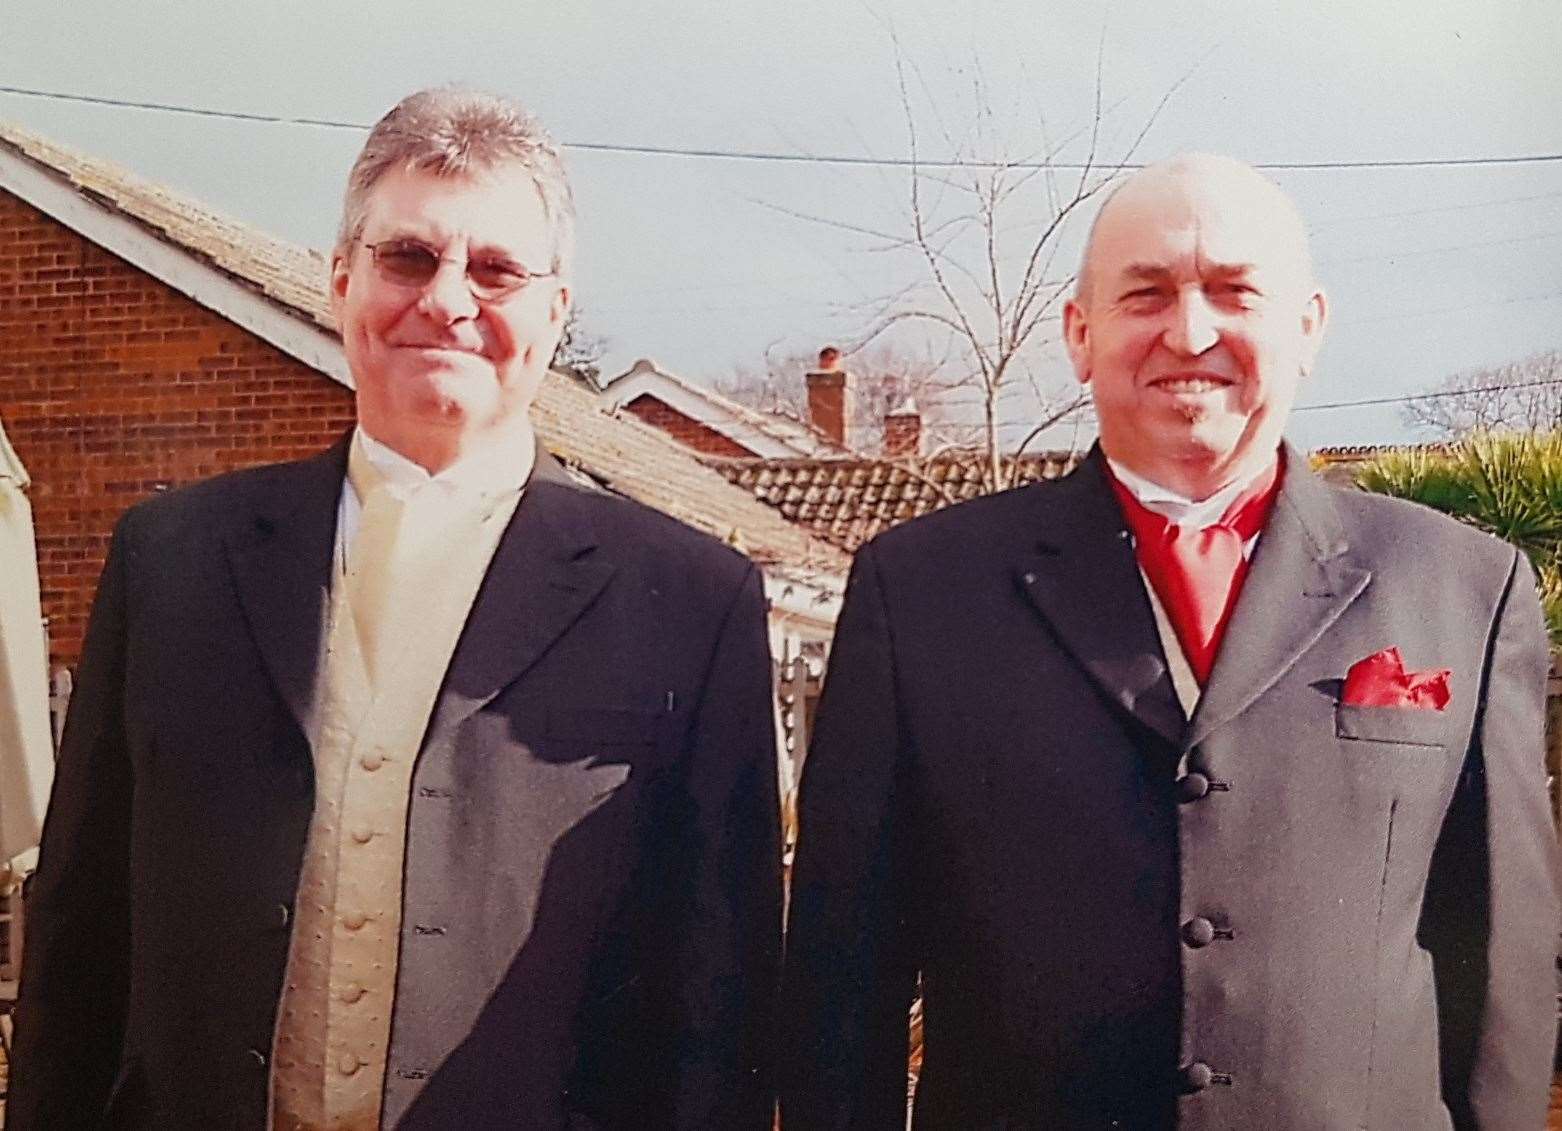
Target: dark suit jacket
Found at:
x=592, y=890
x=1288, y=913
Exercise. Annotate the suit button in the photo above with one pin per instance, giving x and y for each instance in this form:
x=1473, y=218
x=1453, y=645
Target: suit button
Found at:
x=1196, y=1076
x=1198, y=932
x=363, y=834
x=1191, y=787
x=283, y=913
x=350, y=993
x=372, y=761
x=348, y=1063
x=354, y=920
x=257, y=1058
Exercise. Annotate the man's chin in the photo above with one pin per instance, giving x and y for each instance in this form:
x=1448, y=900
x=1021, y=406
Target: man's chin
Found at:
x=448, y=404
x=459, y=387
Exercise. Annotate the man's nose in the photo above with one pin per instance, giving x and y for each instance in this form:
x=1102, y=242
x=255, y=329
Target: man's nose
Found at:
x=447, y=297
x=1194, y=326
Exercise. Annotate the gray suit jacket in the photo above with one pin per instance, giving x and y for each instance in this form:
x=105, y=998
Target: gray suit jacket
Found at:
x=592, y=890
x=1285, y=913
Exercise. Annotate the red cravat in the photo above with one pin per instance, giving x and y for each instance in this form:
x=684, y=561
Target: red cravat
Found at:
x=1198, y=574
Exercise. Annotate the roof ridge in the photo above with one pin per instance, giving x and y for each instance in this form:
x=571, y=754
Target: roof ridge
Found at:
x=230, y=244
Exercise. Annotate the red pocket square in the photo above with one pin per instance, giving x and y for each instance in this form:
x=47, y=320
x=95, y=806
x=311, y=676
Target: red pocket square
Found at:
x=1382, y=681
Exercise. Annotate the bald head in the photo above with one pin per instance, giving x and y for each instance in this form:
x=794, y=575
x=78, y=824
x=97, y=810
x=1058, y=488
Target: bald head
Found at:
x=1196, y=318
x=1197, y=185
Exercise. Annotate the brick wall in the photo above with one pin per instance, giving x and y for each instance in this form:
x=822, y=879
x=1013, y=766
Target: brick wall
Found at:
x=685, y=429
x=113, y=385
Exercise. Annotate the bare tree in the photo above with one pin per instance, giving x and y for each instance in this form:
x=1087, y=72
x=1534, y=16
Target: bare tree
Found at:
x=580, y=350
x=1524, y=395
x=775, y=384
x=982, y=228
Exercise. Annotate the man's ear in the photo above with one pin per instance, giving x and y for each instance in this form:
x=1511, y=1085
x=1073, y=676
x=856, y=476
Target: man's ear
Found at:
x=1076, y=337
x=338, y=284
x=1314, y=315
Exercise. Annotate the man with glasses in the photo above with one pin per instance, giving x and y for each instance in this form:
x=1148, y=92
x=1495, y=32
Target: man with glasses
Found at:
x=414, y=785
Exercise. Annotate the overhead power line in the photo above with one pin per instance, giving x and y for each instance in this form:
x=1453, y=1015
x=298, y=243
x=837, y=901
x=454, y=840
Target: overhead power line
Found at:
x=1333, y=220
x=1432, y=396
x=792, y=158
x=1532, y=237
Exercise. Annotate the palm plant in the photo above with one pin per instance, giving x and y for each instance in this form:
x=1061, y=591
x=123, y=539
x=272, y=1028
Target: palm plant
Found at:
x=1509, y=485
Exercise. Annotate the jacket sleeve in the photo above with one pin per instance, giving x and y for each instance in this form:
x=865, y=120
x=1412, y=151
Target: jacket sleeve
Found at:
x=76, y=952
x=724, y=959
x=1491, y=913
x=850, y=969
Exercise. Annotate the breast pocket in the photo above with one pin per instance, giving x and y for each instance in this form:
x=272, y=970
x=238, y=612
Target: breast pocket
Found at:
x=1402, y=726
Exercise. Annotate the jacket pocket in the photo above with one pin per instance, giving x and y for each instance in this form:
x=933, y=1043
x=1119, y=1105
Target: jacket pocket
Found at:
x=1405, y=726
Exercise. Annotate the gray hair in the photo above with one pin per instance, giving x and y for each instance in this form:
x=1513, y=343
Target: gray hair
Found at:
x=454, y=132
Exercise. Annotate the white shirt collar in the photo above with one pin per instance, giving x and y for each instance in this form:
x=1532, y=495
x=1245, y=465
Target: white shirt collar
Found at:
x=1178, y=509
x=488, y=471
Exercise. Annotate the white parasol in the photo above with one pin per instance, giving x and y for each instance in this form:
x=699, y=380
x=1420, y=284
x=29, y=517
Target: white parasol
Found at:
x=26, y=746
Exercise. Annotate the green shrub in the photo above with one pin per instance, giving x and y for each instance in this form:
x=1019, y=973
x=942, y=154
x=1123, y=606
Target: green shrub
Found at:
x=1508, y=484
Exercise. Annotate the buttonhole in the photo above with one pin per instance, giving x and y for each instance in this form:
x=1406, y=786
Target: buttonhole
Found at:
x=1220, y=1078
x=1225, y=933
x=1219, y=786
x=427, y=929
x=430, y=791
x=412, y=1073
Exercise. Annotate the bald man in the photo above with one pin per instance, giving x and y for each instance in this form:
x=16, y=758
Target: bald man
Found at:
x=1194, y=793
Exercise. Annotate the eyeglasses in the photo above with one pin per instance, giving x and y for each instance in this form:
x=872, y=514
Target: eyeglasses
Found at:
x=411, y=263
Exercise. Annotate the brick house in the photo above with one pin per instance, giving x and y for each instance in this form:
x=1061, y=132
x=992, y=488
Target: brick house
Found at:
x=809, y=470
x=707, y=422
x=146, y=342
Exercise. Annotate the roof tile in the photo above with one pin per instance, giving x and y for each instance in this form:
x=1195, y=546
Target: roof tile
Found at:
x=847, y=501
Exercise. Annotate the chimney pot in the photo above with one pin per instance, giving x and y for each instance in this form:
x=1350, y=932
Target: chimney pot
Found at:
x=903, y=430
x=829, y=397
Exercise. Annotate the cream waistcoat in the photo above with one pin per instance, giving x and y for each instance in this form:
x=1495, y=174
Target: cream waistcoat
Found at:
x=333, y=1025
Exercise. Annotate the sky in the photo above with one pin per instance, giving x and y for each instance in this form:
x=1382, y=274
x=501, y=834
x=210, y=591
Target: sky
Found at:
x=706, y=263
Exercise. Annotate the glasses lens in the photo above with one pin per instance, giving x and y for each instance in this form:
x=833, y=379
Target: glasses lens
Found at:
x=494, y=277
x=406, y=262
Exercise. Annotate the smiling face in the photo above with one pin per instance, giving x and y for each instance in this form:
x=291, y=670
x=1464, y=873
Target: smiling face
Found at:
x=438, y=371
x=1196, y=320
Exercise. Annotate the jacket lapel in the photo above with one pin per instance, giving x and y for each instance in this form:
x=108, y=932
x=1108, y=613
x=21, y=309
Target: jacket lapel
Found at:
x=1302, y=578
x=545, y=573
x=281, y=553
x=1085, y=582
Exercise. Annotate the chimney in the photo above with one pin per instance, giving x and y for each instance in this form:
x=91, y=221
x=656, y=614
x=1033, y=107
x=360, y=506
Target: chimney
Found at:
x=903, y=430
x=829, y=396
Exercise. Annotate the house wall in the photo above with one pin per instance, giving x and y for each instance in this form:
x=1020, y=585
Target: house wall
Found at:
x=685, y=429
x=113, y=386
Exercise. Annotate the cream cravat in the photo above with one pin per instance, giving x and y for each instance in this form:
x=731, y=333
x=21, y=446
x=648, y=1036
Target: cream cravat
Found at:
x=396, y=556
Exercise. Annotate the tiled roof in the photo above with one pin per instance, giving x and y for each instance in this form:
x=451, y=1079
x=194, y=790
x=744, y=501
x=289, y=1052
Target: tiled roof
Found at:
x=621, y=453
x=1338, y=465
x=848, y=501
x=1356, y=453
